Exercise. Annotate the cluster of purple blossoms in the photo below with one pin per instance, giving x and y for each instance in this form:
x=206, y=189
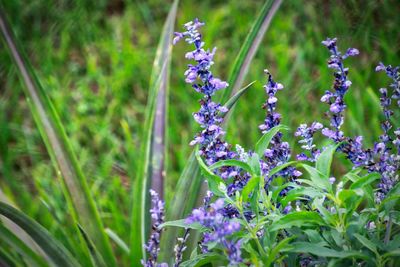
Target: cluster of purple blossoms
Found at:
x=212, y=148
x=336, y=98
x=307, y=133
x=388, y=164
x=279, y=151
x=380, y=158
x=153, y=245
x=180, y=248
x=219, y=228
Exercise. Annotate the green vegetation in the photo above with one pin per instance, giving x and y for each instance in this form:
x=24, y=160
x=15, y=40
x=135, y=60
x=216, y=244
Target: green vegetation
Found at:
x=94, y=60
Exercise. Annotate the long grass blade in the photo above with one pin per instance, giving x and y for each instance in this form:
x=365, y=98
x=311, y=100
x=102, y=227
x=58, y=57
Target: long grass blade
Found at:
x=57, y=143
x=151, y=169
x=250, y=47
x=17, y=231
x=18, y=245
x=58, y=254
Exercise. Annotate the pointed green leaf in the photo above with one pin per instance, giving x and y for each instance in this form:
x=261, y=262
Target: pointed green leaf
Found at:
x=318, y=179
x=118, y=240
x=299, y=219
x=324, y=160
x=18, y=245
x=58, y=254
x=231, y=162
x=153, y=148
x=213, y=180
x=315, y=249
x=364, y=181
x=250, y=46
x=263, y=143
x=249, y=187
x=201, y=260
x=57, y=143
x=367, y=243
x=182, y=224
x=232, y=101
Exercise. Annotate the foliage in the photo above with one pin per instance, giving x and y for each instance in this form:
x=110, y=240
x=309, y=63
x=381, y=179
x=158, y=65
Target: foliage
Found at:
x=263, y=207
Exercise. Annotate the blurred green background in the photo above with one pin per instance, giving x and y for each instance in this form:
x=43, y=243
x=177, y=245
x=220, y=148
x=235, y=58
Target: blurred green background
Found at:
x=94, y=58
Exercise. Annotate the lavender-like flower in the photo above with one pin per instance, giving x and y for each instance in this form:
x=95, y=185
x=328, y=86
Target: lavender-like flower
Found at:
x=219, y=228
x=153, y=245
x=336, y=98
x=389, y=163
x=394, y=74
x=211, y=147
x=279, y=151
x=180, y=248
x=307, y=133
x=203, y=81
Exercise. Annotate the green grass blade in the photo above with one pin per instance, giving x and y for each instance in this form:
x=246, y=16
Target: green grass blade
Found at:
x=17, y=244
x=151, y=167
x=250, y=47
x=53, y=249
x=58, y=146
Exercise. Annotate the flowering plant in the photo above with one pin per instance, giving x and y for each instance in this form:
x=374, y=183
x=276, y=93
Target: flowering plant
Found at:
x=266, y=208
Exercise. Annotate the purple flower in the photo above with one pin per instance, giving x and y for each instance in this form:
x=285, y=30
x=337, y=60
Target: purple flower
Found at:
x=307, y=141
x=335, y=98
x=180, y=248
x=219, y=227
x=279, y=151
x=152, y=246
x=388, y=164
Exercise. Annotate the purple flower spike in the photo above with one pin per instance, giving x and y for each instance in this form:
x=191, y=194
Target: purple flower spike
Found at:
x=152, y=246
x=307, y=133
x=335, y=98
x=388, y=164
x=279, y=151
x=219, y=226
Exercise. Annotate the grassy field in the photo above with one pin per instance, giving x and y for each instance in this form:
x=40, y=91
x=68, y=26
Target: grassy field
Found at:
x=94, y=59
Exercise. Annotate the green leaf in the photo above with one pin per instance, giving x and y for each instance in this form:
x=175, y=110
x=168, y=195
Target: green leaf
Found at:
x=281, y=167
x=366, y=180
x=250, y=46
x=326, y=215
x=324, y=161
x=76, y=191
x=392, y=253
x=153, y=148
x=249, y=187
x=201, y=260
x=391, y=198
x=319, y=180
x=117, y=240
x=298, y=219
x=18, y=245
x=232, y=101
x=263, y=143
x=56, y=252
x=231, y=162
x=296, y=193
x=315, y=249
x=254, y=162
x=213, y=180
x=94, y=252
x=182, y=224
x=280, y=247
x=367, y=243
